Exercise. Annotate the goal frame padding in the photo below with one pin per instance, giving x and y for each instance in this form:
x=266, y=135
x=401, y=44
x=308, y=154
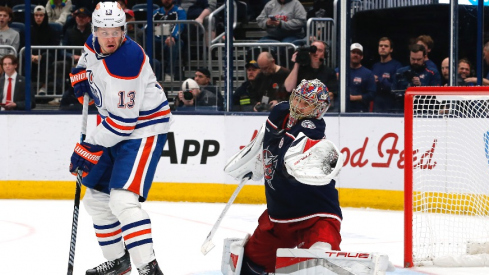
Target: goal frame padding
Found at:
x=408, y=149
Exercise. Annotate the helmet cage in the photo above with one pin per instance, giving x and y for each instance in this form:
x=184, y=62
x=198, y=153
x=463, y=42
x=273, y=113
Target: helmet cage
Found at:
x=309, y=100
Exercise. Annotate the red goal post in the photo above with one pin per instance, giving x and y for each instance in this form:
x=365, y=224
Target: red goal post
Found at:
x=446, y=176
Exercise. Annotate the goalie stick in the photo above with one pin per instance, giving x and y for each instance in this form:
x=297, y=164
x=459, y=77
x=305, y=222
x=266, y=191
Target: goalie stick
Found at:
x=208, y=245
x=74, y=225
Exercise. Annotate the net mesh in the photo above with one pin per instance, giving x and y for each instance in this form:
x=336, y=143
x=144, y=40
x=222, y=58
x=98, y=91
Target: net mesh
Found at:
x=450, y=178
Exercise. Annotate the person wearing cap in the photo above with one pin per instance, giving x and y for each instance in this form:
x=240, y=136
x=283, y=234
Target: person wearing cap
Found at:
x=193, y=97
x=58, y=10
x=78, y=34
x=9, y=36
x=384, y=72
x=362, y=87
x=241, y=97
x=168, y=42
x=413, y=75
x=314, y=70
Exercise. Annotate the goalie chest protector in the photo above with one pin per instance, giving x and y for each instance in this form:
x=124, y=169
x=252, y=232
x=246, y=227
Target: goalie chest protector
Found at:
x=287, y=199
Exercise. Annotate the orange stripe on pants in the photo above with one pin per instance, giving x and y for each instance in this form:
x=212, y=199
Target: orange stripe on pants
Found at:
x=136, y=182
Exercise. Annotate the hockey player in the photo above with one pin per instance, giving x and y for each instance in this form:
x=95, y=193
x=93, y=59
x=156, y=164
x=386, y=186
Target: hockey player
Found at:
x=299, y=165
x=120, y=156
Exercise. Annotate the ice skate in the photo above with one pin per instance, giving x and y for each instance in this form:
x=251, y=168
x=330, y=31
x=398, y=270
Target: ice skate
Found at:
x=121, y=266
x=150, y=269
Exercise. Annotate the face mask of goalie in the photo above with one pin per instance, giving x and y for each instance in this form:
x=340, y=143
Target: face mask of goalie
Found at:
x=309, y=100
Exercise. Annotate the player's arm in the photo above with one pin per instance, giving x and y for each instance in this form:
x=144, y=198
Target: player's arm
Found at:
x=313, y=162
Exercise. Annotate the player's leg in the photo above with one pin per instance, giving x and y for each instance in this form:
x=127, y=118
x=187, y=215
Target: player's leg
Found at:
x=108, y=231
x=260, y=251
x=135, y=163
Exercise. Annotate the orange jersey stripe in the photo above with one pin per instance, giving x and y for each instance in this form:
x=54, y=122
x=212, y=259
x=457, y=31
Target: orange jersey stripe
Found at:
x=161, y=113
x=117, y=126
x=105, y=235
x=138, y=233
x=136, y=182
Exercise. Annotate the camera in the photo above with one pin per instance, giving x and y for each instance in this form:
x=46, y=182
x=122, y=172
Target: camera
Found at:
x=187, y=95
x=262, y=107
x=303, y=57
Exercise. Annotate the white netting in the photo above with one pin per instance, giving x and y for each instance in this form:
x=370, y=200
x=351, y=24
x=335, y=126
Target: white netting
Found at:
x=450, y=179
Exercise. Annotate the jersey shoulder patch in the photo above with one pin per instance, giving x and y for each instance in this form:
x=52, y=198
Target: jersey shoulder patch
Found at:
x=127, y=62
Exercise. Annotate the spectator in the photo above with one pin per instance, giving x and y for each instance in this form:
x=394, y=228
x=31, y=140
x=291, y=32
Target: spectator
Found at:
x=12, y=86
x=122, y=3
x=445, y=74
x=428, y=44
x=167, y=40
x=416, y=74
x=384, y=72
x=192, y=97
x=137, y=35
x=362, y=87
x=41, y=35
x=321, y=8
x=203, y=78
x=311, y=66
x=199, y=11
x=242, y=95
x=284, y=21
x=58, y=10
x=269, y=84
x=8, y=36
x=78, y=35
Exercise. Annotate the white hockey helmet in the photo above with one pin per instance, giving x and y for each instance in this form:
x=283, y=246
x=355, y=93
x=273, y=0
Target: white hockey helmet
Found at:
x=108, y=15
x=309, y=100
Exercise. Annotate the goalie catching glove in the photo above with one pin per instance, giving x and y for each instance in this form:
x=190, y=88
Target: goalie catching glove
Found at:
x=248, y=159
x=85, y=157
x=313, y=162
x=79, y=81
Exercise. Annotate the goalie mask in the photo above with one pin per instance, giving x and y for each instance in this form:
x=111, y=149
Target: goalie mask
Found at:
x=108, y=15
x=309, y=100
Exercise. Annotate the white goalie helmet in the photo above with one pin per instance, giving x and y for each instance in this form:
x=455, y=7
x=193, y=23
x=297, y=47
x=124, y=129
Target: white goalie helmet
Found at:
x=309, y=100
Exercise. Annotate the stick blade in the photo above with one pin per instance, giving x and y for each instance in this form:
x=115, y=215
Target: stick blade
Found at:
x=206, y=247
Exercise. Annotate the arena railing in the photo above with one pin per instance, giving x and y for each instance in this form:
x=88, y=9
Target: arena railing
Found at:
x=362, y=5
x=7, y=49
x=190, y=56
x=323, y=29
x=241, y=53
x=52, y=71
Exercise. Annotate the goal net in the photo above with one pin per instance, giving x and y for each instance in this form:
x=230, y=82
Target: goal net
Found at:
x=446, y=176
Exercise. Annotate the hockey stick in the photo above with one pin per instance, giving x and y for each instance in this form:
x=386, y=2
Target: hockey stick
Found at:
x=208, y=245
x=74, y=225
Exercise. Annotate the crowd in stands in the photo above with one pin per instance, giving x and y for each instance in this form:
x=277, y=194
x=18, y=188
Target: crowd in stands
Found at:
x=268, y=81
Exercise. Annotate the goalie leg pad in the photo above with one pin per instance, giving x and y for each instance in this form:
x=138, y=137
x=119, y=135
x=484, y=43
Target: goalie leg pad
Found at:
x=248, y=159
x=232, y=255
x=313, y=162
x=320, y=261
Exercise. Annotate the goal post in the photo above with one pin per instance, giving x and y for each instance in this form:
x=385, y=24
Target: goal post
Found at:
x=446, y=176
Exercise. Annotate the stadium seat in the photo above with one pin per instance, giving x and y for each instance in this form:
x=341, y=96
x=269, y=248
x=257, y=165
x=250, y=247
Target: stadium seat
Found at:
x=19, y=12
x=140, y=11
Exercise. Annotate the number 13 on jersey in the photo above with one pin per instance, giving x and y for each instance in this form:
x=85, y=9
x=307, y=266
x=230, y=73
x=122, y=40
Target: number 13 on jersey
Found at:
x=126, y=101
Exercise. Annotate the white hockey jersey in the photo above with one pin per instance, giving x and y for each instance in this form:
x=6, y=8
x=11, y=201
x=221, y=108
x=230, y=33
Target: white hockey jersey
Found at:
x=124, y=88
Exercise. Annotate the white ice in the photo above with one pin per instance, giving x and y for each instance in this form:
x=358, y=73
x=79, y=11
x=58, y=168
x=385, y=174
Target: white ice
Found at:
x=35, y=236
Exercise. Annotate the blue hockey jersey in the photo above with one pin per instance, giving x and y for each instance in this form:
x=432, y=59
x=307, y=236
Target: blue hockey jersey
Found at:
x=287, y=199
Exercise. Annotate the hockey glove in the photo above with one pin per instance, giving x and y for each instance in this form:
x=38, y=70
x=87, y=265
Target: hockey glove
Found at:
x=85, y=157
x=313, y=162
x=79, y=81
